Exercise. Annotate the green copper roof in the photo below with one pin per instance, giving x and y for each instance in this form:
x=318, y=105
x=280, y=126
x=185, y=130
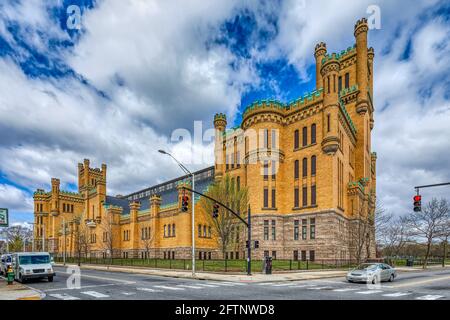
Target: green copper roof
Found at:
x=338, y=55
x=344, y=111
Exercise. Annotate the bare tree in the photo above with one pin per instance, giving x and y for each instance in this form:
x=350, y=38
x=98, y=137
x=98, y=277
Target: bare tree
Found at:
x=81, y=238
x=394, y=236
x=426, y=224
x=107, y=224
x=236, y=198
x=444, y=231
x=148, y=241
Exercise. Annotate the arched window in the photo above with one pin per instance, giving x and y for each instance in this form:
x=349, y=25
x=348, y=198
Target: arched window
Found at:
x=305, y=136
x=313, y=165
x=173, y=230
x=296, y=139
x=305, y=167
x=313, y=133
x=296, y=169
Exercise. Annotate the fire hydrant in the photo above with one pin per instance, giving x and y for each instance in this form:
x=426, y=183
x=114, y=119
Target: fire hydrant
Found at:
x=10, y=275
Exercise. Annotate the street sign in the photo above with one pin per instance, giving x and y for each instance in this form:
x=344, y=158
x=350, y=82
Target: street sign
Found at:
x=4, y=221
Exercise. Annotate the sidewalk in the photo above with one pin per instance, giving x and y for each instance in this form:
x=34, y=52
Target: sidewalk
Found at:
x=232, y=277
x=17, y=291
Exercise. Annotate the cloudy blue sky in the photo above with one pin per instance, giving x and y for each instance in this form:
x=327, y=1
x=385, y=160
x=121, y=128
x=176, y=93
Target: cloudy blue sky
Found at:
x=115, y=89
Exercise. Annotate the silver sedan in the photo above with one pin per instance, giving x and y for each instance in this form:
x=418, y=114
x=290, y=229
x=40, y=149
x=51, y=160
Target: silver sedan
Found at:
x=372, y=273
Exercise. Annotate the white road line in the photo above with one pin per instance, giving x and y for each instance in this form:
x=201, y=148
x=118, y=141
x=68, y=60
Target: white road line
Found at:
x=168, y=288
x=224, y=284
x=301, y=286
x=128, y=293
x=429, y=297
x=82, y=287
x=63, y=296
x=319, y=288
x=207, y=285
x=102, y=278
x=282, y=284
x=95, y=294
x=345, y=289
x=148, y=290
x=397, y=294
x=370, y=291
x=189, y=286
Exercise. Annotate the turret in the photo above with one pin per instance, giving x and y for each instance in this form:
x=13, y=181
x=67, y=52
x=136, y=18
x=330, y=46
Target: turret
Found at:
x=220, y=124
x=104, y=171
x=370, y=56
x=361, y=29
x=319, y=53
x=55, y=197
x=330, y=73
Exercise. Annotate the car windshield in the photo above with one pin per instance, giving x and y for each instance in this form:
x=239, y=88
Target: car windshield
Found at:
x=34, y=259
x=366, y=266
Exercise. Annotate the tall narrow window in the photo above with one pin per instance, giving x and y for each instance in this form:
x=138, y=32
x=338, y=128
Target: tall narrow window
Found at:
x=238, y=159
x=266, y=138
x=328, y=123
x=313, y=195
x=266, y=229
x=296, y=198
x=312, y=228
x=328, y=84
x=313, y=165
x=274, y=139
x=266, y=198
x=347, y=80
x=305, y=196
x=274, y=235
x=296, y=139
x=173, y=230
x=304, y=228
x=274, y=170
x=305, y=136
x=296, y=233
x=266, y=169
x=296, y=169
x=340, y=84
x=305, y=167
x=334, y=83
x=273, y=198
x=238, y=183
x=313, y=133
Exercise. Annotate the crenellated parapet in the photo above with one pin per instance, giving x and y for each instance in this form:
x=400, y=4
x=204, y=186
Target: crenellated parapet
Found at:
x=361, y=26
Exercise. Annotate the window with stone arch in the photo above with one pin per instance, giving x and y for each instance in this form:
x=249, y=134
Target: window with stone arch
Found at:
x=296, y=139
x=313, y=133
x=305, y=167
x=305, y=136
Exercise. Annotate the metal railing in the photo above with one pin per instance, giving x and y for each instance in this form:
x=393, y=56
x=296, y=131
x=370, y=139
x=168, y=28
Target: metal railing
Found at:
x=215, y=265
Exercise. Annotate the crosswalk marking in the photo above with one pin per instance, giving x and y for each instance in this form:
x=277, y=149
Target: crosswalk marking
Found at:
x=63, y=296
x=95, y=294
x=369, y=291
x=224, y=284
x=300, y=286
x=345, y=289
x=319, y=288
x=148, y=290
x=128, y=293
x=282, y=284
x=189, y=286
x=168, y=288
x=429, y=297
x=396, y=294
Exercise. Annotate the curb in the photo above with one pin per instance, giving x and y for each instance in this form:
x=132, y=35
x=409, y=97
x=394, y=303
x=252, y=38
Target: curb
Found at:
x=149, y=272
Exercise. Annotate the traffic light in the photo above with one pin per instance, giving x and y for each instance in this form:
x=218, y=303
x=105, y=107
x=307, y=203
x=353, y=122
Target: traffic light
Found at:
x=215, y=211
x=417, y=203
x=184, y=203
x=256, y=244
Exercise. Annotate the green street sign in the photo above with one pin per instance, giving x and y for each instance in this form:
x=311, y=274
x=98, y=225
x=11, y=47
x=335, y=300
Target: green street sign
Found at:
x=4, y=221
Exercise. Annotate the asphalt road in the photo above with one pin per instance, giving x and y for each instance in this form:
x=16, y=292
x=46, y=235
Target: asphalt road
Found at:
x=97, y=285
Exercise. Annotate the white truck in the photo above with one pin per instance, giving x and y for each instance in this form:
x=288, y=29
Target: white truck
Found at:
x=32, y=265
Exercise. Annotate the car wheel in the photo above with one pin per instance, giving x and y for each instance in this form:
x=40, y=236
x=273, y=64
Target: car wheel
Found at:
x=391, y=278
x=375, y=280
x=21, y=279
x=50, y=279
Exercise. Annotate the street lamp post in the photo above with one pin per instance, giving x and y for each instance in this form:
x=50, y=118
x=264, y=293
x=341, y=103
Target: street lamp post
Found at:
x=64, y=230
x=193, y=206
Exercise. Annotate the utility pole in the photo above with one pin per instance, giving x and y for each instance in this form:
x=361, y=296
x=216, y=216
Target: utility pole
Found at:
x=249, y=250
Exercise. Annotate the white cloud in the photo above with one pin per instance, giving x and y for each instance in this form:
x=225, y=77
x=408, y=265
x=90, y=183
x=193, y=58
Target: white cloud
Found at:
x=14, y=198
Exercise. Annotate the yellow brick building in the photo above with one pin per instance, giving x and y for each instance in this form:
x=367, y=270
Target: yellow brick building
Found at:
x=308, y=166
